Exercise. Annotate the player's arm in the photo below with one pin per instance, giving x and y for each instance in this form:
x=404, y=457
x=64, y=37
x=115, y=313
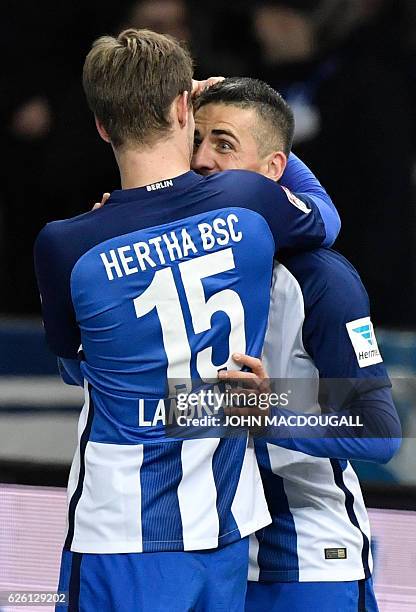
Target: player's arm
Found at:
x=350, y=391
x=377, y=438
x=336, y=334
x=296, y=224
x=53, y=269
x=303, y=183
x=70, y=371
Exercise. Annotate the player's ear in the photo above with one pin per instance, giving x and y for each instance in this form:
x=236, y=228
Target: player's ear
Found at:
x=182, y=108
x=276, y=164
x=102, y=131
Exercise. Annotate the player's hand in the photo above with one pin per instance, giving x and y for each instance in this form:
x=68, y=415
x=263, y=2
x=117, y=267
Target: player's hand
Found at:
x=255, y=379
x=103, y=201
x=248, y=384
x=199, y=86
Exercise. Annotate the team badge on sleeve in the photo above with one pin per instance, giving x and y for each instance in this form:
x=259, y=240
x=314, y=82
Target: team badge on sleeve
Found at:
x=295, y=201
x=361, y=333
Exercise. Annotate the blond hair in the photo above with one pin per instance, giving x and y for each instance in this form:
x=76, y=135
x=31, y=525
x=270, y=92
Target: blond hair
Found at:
x=131, y=81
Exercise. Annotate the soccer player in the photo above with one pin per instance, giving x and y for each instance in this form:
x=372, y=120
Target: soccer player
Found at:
x=162, y=284
x=315, y=555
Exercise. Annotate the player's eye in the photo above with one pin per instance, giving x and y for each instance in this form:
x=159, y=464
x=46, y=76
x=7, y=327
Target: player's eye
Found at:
x=224, y=147
x=197, y=142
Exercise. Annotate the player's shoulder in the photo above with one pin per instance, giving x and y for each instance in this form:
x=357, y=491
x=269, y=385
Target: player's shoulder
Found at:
x=66, y=240
x=325, y=273
x=235, y=175
x=69, y=232
x=65, y=227
x=323, y=263
x=243, y=182
x=253, y=191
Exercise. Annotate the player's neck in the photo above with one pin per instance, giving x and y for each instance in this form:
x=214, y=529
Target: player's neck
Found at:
x=147, y=166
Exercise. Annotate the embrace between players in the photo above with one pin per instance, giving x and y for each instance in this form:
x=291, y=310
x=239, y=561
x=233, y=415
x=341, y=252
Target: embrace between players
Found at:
x=157, y=523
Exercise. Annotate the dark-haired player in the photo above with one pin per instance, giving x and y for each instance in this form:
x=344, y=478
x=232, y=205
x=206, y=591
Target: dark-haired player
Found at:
x=315, y=556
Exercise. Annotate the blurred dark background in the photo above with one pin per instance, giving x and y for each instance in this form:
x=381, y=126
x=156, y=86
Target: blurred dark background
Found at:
x=347, y=67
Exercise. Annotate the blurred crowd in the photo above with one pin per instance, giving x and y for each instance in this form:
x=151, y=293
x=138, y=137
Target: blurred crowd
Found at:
x=347, y=67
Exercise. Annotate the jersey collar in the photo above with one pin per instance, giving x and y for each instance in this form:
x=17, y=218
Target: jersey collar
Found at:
x=167, y=187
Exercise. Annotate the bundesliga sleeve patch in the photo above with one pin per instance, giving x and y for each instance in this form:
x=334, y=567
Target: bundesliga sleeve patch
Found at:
x=363, y=339
x=295, y=201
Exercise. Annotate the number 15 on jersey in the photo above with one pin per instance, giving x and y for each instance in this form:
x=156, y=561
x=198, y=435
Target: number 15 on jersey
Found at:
x=162, y=294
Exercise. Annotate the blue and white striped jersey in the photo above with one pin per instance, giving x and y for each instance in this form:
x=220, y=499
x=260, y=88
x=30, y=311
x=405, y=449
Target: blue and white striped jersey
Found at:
x=319, y=327
x=162, y=283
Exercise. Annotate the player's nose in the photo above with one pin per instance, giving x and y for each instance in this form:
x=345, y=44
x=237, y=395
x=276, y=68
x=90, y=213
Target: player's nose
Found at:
x=202, y=160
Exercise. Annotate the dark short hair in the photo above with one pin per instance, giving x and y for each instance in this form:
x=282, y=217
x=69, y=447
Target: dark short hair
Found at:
x=131, y=81
x=275, y=115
